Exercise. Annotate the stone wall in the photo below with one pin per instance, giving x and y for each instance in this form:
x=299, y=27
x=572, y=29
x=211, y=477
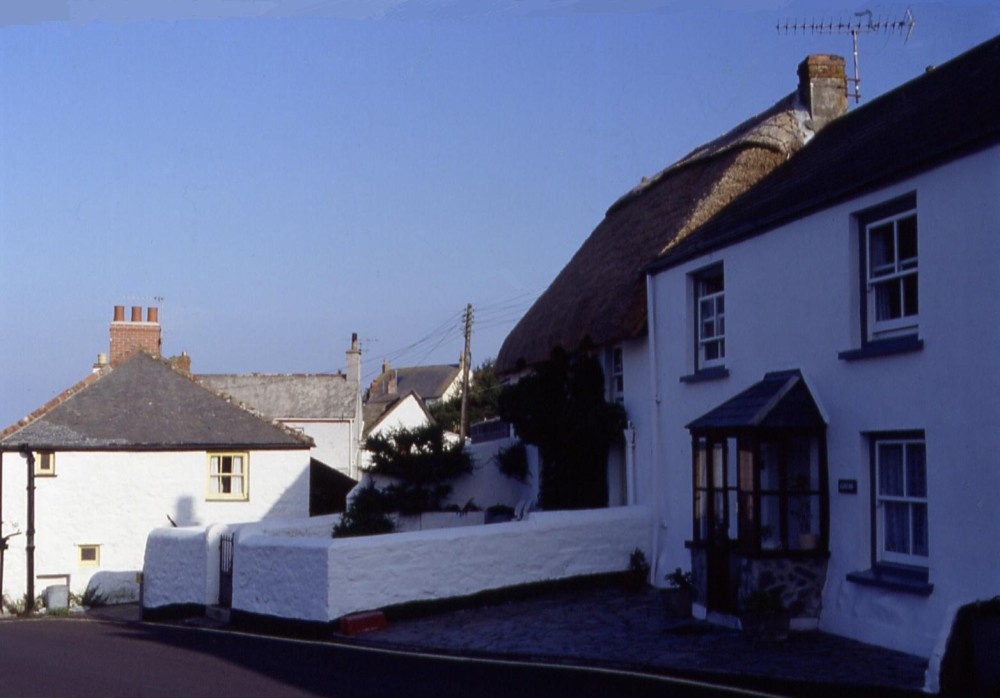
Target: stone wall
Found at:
x=798, y=580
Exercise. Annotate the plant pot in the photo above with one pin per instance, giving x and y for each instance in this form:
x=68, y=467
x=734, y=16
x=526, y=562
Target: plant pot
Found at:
x=808, y=541
x=677, y=602
x=765, y=626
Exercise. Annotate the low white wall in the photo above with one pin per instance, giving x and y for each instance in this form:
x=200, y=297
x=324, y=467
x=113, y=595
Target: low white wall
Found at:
x=324, y=579
x=182, y=566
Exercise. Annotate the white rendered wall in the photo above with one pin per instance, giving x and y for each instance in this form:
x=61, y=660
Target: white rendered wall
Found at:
x=487, y=485
x=792, y=302
x=114, y=499
x=333, y=440
x=323, y=579
x=182, y=566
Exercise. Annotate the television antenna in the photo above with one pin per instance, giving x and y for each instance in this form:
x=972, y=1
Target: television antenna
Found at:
x=862, y=23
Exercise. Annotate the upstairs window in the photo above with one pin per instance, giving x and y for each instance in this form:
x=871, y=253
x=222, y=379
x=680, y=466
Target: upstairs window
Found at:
x=891, y=271
x=228, y=476
x=710, y=311
x=617, y=376
x=45, y=464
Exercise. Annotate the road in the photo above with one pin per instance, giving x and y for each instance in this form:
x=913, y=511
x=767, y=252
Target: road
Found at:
x=78, y=657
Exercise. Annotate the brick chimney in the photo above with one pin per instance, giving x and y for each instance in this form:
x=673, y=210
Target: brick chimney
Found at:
x=823, y=88
x=128, y=337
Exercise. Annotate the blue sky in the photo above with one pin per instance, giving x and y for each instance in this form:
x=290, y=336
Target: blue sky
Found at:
x=282, y=174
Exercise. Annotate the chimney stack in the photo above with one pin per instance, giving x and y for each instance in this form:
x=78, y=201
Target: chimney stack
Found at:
x=129, y=337
x=823, y=88
x=354, y=361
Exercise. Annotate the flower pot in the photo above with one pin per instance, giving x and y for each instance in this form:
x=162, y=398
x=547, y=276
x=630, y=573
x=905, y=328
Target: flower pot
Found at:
x=677, y=602
x=808, y=541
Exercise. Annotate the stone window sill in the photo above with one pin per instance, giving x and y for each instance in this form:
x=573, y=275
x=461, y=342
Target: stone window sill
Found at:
x=909, y=580
x=883, y=347
x=706, y=374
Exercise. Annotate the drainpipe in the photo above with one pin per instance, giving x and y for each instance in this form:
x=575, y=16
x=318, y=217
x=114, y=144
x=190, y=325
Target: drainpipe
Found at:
x=30, y=547
x=654, y=383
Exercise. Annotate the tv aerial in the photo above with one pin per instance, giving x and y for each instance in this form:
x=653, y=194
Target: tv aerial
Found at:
x=862, y=23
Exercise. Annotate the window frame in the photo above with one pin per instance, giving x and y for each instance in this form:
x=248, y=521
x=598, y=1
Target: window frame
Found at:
x=881, y=557
x=81, y=561
x=717, y=298
x=244, y=493
x=616, y=374
x=874, y=331
x=41, y=457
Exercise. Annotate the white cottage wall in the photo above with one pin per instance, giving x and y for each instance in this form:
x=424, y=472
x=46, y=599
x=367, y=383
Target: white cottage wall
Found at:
x=792, y=301
x=113, y=500
x=333, y=441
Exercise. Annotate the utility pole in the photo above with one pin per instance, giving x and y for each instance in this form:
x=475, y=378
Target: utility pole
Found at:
x=466, y=361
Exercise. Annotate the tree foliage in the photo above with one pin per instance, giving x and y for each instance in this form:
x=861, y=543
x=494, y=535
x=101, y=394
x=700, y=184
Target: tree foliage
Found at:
x=367, y=515
x=421, y=463
x=484, y=394
x=560, y=408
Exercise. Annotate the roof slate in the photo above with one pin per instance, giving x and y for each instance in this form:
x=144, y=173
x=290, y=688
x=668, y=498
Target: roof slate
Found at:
x=781, y=400
x=429, y=382
x=599, y=296
x=144, y=404
x=290, y=396
x=950, y=110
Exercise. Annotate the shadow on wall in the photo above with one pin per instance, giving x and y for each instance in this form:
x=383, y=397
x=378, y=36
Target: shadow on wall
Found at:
x=184, y=512
x=293, y=502
x=112, y=588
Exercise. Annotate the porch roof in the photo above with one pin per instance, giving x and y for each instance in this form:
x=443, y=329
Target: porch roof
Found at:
x=781, y=400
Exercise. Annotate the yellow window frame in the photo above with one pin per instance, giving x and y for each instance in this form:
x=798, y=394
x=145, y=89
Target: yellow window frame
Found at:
x=228, y=476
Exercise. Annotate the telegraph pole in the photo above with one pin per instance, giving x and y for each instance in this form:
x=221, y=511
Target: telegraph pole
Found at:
x=466, y=361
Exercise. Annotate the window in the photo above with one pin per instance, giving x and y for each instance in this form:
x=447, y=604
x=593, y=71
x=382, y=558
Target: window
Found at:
x=710, y=311
x=89, y=555
x=45, y=464
x=900, y=486
x=228, y=475
x=617, y=376
x=890, y=269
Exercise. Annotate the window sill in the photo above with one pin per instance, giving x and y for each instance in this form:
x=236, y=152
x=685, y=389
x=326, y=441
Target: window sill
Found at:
x=706, y=374
x=884, y=347
x=909, y=580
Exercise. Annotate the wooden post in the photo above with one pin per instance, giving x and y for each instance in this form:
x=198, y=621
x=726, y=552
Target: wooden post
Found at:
x=466, y=361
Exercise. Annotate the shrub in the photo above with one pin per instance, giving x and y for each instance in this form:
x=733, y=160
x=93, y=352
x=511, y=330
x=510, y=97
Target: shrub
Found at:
x=513, y=461
x=366, y=515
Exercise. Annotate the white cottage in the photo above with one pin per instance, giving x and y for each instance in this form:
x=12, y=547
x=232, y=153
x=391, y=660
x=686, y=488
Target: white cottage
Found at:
x=598, y=302
x=136, y=445
x=825, y=393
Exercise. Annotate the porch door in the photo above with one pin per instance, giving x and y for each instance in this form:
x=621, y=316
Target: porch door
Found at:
x=716, y=515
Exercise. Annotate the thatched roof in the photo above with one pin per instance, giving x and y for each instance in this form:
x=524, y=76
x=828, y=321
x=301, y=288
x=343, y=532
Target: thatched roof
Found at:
x=599, y=297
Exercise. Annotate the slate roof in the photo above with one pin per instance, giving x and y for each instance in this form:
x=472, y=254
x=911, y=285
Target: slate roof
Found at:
x=782, y=400
x=949, y=111
x=144, y=404
x=599, y=297
x=289, y=396
x=429, y=382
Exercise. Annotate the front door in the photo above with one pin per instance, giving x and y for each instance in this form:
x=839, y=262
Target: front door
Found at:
x=715, y=514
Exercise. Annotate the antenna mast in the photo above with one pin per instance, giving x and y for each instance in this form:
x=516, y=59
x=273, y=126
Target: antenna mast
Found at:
x=864, y=24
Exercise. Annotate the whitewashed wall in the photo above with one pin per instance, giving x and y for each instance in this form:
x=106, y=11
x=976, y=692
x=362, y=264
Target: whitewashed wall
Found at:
x=181, y=566
x=792, y=302
x=335, y=445
x=323, y=579
x=487, y=486
x=114, y=499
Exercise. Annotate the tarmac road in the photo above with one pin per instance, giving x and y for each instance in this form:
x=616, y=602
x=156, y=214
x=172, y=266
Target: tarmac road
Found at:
x=83, y=657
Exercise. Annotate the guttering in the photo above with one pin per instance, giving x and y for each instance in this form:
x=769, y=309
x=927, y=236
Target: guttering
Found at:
x=30, y=533
x=654, y=384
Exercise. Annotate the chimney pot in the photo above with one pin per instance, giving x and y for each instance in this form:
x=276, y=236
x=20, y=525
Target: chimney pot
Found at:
x=152, y=314
x=119, y=313
x=136, y=313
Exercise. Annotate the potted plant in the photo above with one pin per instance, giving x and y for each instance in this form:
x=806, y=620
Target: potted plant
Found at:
x=763, y=616
x=637, y=572
x=679, y=596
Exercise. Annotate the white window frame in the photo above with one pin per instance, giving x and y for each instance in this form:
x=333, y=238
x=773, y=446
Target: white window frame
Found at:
x=222, y=484
x=907, y=498
x=616, y=372
x=896, y=272
x=717, y=319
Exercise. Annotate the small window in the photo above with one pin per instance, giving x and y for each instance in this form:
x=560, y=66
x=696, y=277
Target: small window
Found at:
x=89, y=555
x=45, y=463
x=617, y=376
x=900, y=475
x=710, y=314
x=228, y=475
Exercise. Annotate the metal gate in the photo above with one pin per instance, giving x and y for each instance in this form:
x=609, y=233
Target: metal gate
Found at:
x=226, y=571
